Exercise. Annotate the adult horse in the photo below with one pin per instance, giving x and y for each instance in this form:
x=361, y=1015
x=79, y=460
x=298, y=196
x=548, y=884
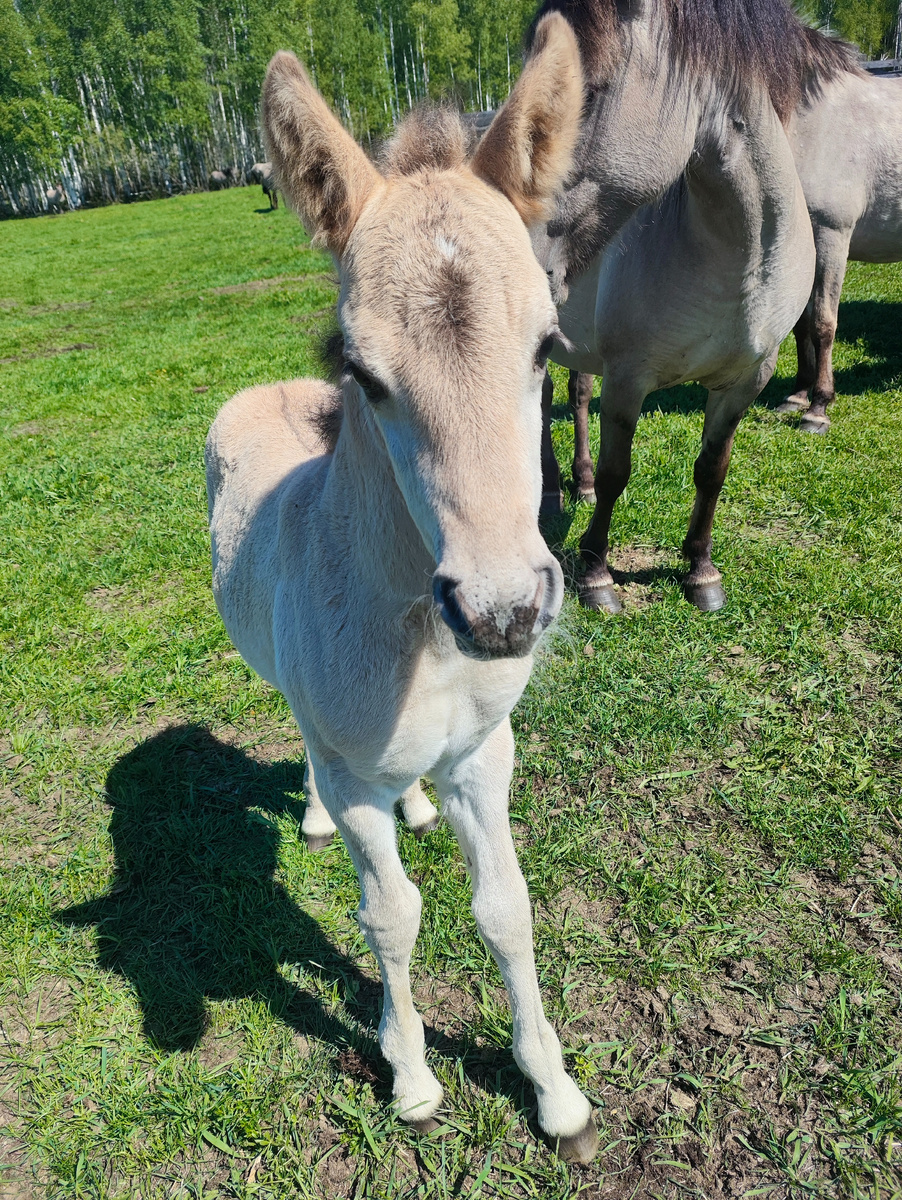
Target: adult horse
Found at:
x=682, y=249
x=848, y=151
x=394, y=588
x=262, y=173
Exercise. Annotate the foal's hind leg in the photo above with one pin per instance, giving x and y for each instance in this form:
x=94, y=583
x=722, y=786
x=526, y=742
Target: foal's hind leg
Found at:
x=723, y=413
x=317, y=826
x=389, y=917
x=579, y=388
x=474, y=796
x=419, y=813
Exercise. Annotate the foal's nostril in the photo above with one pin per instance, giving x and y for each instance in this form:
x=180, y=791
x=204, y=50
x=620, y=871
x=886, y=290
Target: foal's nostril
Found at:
x=444, y=592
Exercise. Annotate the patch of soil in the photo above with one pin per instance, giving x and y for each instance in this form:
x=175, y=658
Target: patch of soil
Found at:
x=636, y=570
x=279, y=281
x=49, y=352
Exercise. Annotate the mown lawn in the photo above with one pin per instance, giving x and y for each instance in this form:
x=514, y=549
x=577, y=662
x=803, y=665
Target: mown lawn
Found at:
x=707, y=808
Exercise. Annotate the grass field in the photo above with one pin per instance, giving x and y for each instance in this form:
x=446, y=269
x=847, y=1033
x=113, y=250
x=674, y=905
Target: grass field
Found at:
x=707, y=808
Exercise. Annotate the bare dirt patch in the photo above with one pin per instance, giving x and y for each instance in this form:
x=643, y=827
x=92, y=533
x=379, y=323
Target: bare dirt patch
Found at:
x=49, y=352
x=279, y=281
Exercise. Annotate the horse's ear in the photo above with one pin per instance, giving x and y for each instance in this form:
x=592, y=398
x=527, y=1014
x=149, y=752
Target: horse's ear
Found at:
x=527, y=150
x=320, y=169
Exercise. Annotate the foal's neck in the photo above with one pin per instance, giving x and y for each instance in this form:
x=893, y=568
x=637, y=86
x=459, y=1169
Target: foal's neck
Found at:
x=368, y=523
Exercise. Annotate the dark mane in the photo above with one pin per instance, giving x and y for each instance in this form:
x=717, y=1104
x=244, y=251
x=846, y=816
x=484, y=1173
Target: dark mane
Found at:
x=737, y=40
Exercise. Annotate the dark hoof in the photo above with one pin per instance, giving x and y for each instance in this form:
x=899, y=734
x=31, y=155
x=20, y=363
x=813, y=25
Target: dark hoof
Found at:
x=792, y=404
x=600, y=599
x=552, y=504
x=425, y=1127
x=421, y=830
x=581, y=1148
x=317, y=841
x=814, y=424
x=708, y=597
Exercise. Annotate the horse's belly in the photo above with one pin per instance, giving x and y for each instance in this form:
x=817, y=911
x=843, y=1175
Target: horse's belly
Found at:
x=877, y=238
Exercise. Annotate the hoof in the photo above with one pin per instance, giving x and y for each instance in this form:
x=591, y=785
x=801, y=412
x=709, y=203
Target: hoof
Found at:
x=708, y=597
x=552, y=504
x=318, y=841
x=792, y=404
x=581, y=1148
x=814, y=424
x=424, y=1127
x=585, y=497
x=600, y=599
x=421, y=830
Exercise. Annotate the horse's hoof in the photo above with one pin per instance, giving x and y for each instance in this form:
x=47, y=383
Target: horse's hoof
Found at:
x=792, y=404
x=600, y=599
x=552, y=504
x=318, y=841
x=585, y=497
x=814, y=424
x=429, y=1125
x=581, y=1148
x=421, y=830
x=708, y=597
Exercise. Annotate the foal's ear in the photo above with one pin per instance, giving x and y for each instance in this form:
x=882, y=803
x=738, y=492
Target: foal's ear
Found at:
x=527, y=150
x=321, y=170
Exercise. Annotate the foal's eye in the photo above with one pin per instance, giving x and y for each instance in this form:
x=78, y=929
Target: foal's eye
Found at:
x=372, y=388
x=544, y=350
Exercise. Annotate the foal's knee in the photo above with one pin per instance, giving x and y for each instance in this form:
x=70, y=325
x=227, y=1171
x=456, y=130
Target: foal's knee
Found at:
x=389, y=918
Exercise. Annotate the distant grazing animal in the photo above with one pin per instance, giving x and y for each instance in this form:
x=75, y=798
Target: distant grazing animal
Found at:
x=681, y=248
x=55, y=197
x=263, y=174
x=218, y=180
x=393, y=585
x=847, y=144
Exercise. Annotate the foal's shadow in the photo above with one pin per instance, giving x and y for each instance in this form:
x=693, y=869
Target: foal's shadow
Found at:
x=194, y=912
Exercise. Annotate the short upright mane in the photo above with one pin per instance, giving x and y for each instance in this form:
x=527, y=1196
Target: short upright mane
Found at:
x=431, y=137
x=737, y=40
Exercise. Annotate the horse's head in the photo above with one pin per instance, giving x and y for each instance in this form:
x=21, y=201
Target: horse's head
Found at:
x=448, y=320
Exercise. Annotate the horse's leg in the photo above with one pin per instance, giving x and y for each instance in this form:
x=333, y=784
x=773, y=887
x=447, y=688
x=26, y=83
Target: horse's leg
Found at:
x=621, y=403
x=797, y=400
x=723, y=413
x=552, y=499
x=419, y=813
x=389, y=918
x=317, y=826
x=832, y=255
x=474, y=796
x=579, y=387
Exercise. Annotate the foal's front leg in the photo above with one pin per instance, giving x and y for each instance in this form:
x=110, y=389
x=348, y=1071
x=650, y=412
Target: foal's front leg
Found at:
x=474, y=797
x=389, y=917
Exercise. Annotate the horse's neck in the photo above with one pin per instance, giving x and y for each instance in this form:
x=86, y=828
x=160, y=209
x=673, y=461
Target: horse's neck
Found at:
x=366, y=520
x=741, y=185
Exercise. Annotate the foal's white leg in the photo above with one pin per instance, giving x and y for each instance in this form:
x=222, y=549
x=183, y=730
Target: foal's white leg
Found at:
x=474, y=796
x=389, y=916
x=317, y=826
x=419, y=813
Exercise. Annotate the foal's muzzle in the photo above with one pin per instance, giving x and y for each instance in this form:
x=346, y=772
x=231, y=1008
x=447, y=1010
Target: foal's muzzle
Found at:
x=504, y=629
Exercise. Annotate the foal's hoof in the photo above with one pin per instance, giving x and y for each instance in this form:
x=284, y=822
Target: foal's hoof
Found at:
x=318, y=841
x=581, y=1148
x=708, y=597
x=812, y=423
x=421, y=830
x=429, y=1125
x=552, y=504
x=585, y=497
x=792, y=404
x=601, y=599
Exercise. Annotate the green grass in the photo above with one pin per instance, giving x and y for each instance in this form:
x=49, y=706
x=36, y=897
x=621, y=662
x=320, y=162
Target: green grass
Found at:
x=707, y=808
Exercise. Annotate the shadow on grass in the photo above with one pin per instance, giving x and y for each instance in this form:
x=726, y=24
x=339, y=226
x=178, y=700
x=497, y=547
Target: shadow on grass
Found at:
x=195, y=913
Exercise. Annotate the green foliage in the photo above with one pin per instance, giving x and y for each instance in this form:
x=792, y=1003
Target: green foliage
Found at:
x=870, y=24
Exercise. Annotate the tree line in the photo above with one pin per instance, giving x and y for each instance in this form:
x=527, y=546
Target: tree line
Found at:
x=122, y=99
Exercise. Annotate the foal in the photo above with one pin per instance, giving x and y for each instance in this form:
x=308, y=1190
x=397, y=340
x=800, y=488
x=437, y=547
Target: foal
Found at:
x=394, y=587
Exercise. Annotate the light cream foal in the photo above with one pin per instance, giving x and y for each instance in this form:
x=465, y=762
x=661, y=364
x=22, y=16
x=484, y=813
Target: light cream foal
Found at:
x=393, y=587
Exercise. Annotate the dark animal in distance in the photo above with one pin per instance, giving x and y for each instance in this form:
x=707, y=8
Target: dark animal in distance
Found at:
x=55, y=197
x=226, y=178
x=263, y=174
